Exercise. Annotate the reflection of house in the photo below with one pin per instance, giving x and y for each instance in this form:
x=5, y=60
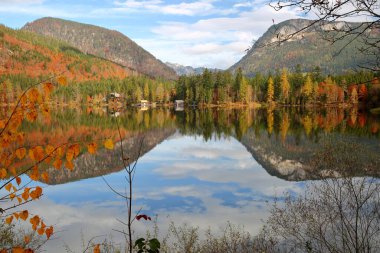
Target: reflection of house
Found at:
x=114, y=97
x=179, y=104
x=144, y=104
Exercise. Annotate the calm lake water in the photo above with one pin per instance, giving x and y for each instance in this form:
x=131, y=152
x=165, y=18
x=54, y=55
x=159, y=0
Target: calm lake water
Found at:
x=201, y=167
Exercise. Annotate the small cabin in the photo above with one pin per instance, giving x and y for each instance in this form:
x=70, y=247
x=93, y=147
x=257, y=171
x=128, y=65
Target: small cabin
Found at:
x=179, y=104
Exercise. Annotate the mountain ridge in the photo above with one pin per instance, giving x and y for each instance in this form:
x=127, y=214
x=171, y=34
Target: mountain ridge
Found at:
x=104, y=43
x=277, y=49
x=188, y=70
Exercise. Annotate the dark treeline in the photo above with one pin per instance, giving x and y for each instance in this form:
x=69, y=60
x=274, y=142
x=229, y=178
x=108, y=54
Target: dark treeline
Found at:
x=280, y=87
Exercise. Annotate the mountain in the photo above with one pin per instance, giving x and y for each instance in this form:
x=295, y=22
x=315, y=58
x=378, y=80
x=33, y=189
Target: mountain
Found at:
x=109, y=161
x=33, y=55
x=187, y=70
x=104, y=43
x=307, y=48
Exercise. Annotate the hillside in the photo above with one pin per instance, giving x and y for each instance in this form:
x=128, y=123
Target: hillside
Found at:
x=307, y=48
x=26, y=53
x=104, y=43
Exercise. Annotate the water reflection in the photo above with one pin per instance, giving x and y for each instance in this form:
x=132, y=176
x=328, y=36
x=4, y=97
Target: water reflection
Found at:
x=204, y=167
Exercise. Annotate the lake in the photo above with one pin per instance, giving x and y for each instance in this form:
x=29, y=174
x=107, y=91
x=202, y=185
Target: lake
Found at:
x=203, y=167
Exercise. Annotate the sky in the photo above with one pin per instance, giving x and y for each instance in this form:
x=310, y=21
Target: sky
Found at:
x=208, y=33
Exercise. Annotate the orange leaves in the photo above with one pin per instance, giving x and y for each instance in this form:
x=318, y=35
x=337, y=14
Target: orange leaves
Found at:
x=62, y=80
x=108, y=144
x=25, y=194
x=57, y=163
x=9, y=220
x=8, y=187
x=45, y=177
x=92, y=147
x=49, y=231
x=33, y=95
x=36, y=153
x=24, y=215
x=35, y=175
x=97, y=248
x=69, y=165
x=27, y=239
x=17, y=250
x=20, y=153
x=35, y=221
x=36, y=193
x=3, y=173
x=48, y=88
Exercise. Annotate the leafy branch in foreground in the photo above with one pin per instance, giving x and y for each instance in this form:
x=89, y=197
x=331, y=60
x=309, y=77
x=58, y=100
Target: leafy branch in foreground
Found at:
x=19, y=156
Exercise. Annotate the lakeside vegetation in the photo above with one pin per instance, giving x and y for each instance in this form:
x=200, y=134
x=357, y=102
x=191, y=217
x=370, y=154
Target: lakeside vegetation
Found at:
x=281, y=88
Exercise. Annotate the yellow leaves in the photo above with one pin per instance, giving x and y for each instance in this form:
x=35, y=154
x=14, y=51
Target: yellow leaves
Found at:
x=108, y=144
x=2, y=123
x=20, y=153
x=9, y=220
x=62, y=80
x=3, y=173
x=92, y=147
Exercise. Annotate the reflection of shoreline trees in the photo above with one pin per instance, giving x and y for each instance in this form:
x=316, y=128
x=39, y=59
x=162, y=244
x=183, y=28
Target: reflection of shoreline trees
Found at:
x=334, y=215
x=296, y=122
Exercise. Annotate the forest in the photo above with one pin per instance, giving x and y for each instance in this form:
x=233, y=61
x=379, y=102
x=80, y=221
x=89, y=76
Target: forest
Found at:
x=280, y=87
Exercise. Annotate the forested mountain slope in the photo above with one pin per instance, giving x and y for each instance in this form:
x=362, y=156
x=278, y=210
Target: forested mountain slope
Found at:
x=104, y=43
x=308, y=48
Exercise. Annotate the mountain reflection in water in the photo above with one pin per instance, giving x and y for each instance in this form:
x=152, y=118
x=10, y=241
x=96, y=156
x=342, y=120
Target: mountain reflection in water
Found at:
x=204, y=167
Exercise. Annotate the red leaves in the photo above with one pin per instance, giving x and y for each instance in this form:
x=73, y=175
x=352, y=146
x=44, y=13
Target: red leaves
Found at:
x=143, y=216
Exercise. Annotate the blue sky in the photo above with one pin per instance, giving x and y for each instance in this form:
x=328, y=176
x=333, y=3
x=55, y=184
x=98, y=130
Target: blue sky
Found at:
x=211, y=33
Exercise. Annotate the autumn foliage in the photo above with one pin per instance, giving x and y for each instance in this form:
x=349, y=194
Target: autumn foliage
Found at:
x=22, y=161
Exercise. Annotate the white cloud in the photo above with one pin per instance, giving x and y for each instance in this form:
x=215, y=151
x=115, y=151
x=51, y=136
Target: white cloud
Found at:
x=215, y=42
x=26, y=2
x=200, y=7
